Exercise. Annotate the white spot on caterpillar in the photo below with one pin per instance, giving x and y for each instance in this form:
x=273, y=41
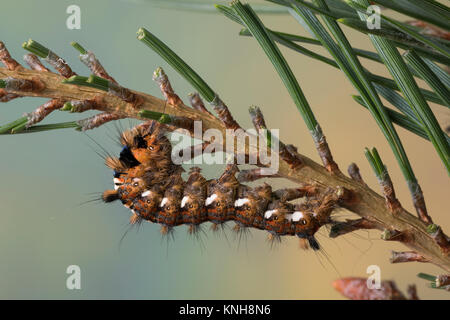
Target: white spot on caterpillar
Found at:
x=288, y=217
x=118, y=181
x=146, y=193
x=297, y=215
x=116, y=187
x=269, y=213
x=241, y=202
x=128, y=206
x=184, y=200
x=163, y=202
x=210, y=199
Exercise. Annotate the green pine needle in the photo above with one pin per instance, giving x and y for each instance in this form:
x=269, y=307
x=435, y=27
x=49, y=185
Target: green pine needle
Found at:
x=177, y=63
x=36, y=48
x=259, y=32
x=78, y=47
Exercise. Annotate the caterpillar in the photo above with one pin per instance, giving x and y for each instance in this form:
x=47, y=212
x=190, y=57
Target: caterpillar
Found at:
x=149, y=184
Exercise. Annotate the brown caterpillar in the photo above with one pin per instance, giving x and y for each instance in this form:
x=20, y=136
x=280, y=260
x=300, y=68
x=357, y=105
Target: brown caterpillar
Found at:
x=147, y=182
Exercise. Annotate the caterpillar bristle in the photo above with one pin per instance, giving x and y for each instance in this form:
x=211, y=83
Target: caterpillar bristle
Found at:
x=214, y=227
x=193, y=229
x=303, y=244
x=115, y=164
x=164, y=230
x=313, y=243
x=135, y=219
x=110, y=196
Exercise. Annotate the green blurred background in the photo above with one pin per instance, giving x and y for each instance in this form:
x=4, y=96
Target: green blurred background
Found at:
x=46, y=176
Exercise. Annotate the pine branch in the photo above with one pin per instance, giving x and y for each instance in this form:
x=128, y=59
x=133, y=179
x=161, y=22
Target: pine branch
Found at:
x=367, y=203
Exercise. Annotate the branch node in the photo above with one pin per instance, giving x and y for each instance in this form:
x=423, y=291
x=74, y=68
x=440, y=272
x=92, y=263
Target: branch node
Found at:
x=439, y=237
x=389, y=193
x=392, y=235
x=160, y=77
x=97, y=120
x=34, y=62
x=419, y=202
x=82, y=105
x=442, y=280
x=254, y=174
x=224, y=114
x=289, y=194
x=6, y=58
x=345, y=197
x=407, y=256
x=341, y=228
x=324, y=150
x=5, y=96
x=197, y=103
x=125, y=94
x=354, y=173
x=44, y=110
x=289, y=154
x=89, y=59
x=24, y=85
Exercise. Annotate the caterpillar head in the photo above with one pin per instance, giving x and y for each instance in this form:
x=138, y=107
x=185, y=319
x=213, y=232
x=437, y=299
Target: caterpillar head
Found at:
x=147, y=142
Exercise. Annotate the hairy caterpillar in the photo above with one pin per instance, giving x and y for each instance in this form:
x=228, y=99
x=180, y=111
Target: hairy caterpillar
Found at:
x=148, y=183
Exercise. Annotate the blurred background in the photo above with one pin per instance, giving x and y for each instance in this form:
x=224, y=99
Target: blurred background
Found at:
x=44, y=227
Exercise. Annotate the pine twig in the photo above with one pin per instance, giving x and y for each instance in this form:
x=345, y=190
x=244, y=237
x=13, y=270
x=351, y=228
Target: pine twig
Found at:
x=34, y=62
x=98, y=120
x=52, y=58
x=354, y=173
x=196, y=102
x=341, y=228
x=431, y=243
x=11, y=84
x=393, y=235
x=357, y=289
x=44, y=110
x=384, y=180
x=160, y=77
x=287, y=152
x=6, y=97
x=442, y=280
x=407, y=256
x=6, y=58
x=89, y=59
x=254, y=174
